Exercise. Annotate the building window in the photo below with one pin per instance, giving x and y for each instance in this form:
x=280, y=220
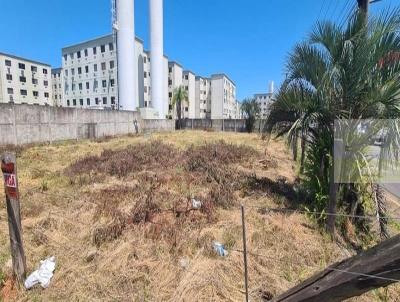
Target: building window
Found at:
x=111, y=64
x=113, y=100
x=104, y=83
x=86, y=53
x=46, y=94
x=35, y=93
x=79, y=70
x=80, y=86
x=68, y=103
x=170, y=107
x=145, y=89
x=65, y=58
x=22, y=79
x=94, y=50
x=145, y=74
x=170, y=94
x=95, y=67
x=103, y=48
x=9, y=77
x=88, y=102
x=74, y=102
x=73, y=87
x=44, y=71
x=170, y=70
x=72, y=71
x=24, y=92
x=112, y=82
x=33, y=68
x=186, y=77
x=10, y=91
x=78, y=54
x=103, y=66
x=186, y=109
x=8, y=63
x=95, y=84
x=104, y=100
x=46, y=83
x=35, y=81
x=111, y=46
x=66, y=72
x=21, y=66
x=87, y=69
x=71, y=55
x=145, y=60
x=96, y=100
x=55, y=97
x=81, y=102
x=87, y=85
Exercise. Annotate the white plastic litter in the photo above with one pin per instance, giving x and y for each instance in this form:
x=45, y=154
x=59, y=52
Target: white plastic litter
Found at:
x=43, y=275
x=196, y=204
x=220, y=249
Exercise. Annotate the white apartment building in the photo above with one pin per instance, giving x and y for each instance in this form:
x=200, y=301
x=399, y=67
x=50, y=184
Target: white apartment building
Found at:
x=89, y=74
x=56, y=84
x=264, y=100
x=24, y=81
x=203, y=98
x=189, y=82
x=223, y=98
x=175, y=80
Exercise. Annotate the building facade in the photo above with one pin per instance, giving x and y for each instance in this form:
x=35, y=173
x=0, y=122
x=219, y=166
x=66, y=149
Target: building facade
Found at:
x=203, y=97
x=189, y=83
x=264, y=100
x=56, y=84
x=223, y=97
x=175, y=80
x=90, y=74
x=24, y=81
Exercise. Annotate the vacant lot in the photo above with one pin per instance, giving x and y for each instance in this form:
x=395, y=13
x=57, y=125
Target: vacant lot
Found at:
x=117, y=214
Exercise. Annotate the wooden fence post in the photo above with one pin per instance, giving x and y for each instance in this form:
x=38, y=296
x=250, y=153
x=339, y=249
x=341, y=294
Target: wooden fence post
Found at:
x=9, y=169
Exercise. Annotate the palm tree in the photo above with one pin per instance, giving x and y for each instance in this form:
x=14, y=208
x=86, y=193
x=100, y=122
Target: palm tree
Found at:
x=339, y=73
x=179, y=99
x=251, y=110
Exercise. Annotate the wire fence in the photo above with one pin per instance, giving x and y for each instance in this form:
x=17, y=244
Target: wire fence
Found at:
x=245, y=252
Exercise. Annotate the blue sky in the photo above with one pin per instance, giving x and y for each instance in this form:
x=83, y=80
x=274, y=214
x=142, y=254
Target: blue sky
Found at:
x=247, y=39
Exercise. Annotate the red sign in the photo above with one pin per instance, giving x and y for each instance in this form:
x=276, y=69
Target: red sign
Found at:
x=10, y=180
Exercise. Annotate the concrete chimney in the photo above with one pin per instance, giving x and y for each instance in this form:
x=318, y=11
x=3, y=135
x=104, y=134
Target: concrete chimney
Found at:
x=125, y=28
x=157, y=56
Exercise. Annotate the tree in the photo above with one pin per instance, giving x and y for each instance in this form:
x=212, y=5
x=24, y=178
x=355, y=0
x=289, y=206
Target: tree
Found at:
x=251, y=110
x=339, y=73
x=179, y=99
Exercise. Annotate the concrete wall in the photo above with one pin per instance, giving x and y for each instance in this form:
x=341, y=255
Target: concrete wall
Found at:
x=25, y=124
x=216, y=124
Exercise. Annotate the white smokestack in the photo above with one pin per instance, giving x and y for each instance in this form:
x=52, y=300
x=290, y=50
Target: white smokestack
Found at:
x=126, y=55
x=271, y=87
x=157, y=56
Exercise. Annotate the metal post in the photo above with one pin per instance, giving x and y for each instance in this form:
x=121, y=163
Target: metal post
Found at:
x=245, y=256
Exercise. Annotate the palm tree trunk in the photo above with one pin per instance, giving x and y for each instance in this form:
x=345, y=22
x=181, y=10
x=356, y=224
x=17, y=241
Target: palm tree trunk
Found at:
x=303, y=153
x=294, y=146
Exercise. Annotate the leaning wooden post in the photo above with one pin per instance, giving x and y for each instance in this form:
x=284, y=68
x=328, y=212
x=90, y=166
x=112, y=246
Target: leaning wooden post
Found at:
x=9, y=169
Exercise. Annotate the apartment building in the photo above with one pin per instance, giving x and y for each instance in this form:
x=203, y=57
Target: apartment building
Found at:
x=203, y=97
x=89, y=73
x=189, y=83
x=175, y=80
x=23, y=81
x=56, y=84
x=264, y=100
x=223, y=97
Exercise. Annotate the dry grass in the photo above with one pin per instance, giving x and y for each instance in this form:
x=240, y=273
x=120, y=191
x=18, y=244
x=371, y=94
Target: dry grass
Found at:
x=117, y=215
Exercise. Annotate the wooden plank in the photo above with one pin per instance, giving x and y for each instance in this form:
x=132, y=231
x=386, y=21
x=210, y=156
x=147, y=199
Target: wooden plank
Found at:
x=349, y=278
x=9, y=169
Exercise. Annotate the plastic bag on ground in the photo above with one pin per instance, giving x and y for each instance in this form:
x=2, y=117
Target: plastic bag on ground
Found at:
x=220, y=249
x=43, y=275
x=196, y=204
